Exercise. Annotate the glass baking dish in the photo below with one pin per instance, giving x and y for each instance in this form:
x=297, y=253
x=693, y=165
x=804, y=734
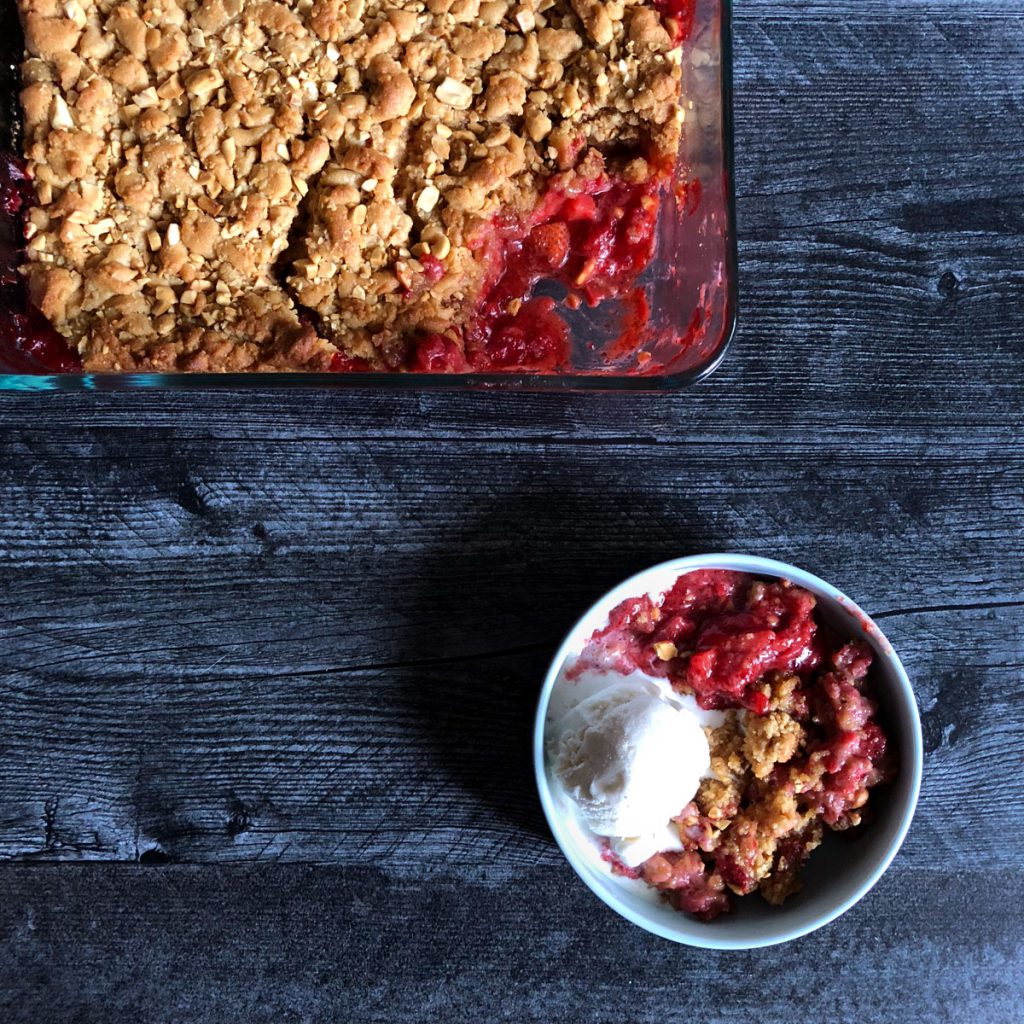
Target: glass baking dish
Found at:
x=690, y=283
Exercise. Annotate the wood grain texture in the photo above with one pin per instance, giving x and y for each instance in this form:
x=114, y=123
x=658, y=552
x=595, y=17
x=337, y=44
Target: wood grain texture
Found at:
x=290, y=643
x=290, y=944
x=242, y=685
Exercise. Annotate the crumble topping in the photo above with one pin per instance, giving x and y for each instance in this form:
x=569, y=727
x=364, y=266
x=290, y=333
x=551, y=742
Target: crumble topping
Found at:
x=770, y=740
x=754, y=821
x=234, y=185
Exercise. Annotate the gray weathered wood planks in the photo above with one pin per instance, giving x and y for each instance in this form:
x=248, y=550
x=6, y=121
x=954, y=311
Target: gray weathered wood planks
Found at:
x=282, y=649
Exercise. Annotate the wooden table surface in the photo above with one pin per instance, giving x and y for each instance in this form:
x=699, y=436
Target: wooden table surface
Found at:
x=268, y=661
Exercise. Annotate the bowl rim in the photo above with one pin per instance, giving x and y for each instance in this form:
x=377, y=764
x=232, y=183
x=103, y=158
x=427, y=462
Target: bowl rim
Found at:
x=912, y=750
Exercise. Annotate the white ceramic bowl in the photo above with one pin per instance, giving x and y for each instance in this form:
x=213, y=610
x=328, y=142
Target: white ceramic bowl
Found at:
x=838, y=873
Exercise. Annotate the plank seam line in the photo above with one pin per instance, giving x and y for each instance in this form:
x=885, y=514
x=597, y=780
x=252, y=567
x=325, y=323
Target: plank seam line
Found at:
x=453, y=659
x=921, y=609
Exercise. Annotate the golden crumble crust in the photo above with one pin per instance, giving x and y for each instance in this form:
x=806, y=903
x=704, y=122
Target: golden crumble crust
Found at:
x=769, y=740
x=234, y=185
x=719, y=795
x=743, y=815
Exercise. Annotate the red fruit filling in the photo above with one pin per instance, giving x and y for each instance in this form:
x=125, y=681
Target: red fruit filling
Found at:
x=341, y=363
x=592, y=237
x=28, y=343
x=714, y=635
x=678, y=17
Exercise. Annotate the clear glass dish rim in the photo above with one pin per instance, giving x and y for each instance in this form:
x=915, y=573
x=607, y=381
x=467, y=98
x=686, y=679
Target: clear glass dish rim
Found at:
x=445, y=381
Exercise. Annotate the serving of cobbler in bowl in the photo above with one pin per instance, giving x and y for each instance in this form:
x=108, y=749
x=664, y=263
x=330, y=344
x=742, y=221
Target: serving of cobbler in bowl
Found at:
x=728, y=751
x=353, y=186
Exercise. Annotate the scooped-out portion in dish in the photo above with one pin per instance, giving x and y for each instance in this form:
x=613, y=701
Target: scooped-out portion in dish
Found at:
x=339, y=185
x=718, y=731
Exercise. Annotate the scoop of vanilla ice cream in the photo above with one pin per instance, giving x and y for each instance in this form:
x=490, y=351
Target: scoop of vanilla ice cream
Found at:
x=631, y=758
